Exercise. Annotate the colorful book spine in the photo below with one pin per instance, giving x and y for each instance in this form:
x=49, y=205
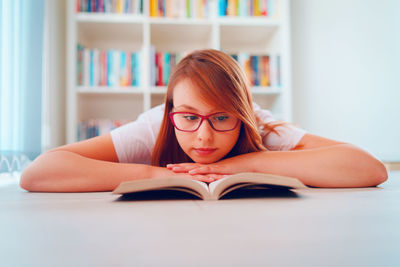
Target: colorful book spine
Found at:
x=166, y=67
x=163, y=64
x=244, y=8
x=86, y=67
x=136, y=68
x=110, y=6
x=260, y=70
x=95, y=127
x=179, y=8
x=133, y=75
x=107, y=68
x=110, y=68
x=91, y=83
x=79, y=65
x=278, y=71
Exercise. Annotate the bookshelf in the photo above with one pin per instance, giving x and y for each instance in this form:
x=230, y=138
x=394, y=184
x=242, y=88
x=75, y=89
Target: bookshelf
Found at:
x=255, y=35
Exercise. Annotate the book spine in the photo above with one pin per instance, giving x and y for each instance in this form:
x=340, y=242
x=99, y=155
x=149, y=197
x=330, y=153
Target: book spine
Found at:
x=188, y=8
x=94, y=127
x=100, y=67
x=152, y=66
x=267, y=71
x=128, y=72
x=79, y=65
x=263, y=8
x=122, y=73
x=271, y=11
x=96, y=67
x=153, y=8
x=248, y=69
x=132, y=69
x=222, y=7
x=158, y=69
x=254, y=69
x=109, y=67
x=104, y=68
x=166, y=68
x=116, y=65
x=91, y=68
x=138, y=56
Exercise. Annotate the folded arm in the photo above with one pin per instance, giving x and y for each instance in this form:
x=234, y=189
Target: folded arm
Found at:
x=88, y=166
x=316, y=161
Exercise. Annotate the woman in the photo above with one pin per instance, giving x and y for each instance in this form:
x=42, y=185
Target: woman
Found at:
x=209, y=128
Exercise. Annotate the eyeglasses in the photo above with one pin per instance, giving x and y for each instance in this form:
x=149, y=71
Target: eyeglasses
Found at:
x=190, y=122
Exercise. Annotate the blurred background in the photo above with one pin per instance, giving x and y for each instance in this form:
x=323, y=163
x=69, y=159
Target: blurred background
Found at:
x=333, y=65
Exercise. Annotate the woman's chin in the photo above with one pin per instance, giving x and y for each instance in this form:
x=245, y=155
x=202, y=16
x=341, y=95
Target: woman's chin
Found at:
x=205, y=160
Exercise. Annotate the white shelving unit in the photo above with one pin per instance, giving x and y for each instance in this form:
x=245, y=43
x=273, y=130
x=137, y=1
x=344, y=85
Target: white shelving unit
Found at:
x=254, y=35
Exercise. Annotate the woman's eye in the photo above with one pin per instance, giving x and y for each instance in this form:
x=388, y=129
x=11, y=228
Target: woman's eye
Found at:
x=221, y=118
x=190, y=117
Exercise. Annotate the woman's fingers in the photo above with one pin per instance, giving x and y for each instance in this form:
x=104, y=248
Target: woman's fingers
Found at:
x=203, y=178
x=208, y=178
x=208, y=169
x=185, y=165
x=195, y=168
x=182, y=167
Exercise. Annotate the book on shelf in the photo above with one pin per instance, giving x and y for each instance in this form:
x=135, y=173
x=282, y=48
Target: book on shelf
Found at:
x=259, y=69
x=247, y=8
x=211, y=191
x=95, y=127
x=110, y=6
x=180, y=8
x=162, y=64
x=107, y=68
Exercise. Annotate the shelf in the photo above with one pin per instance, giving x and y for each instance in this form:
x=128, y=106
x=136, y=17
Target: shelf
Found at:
x=158, y=90
x=265, y=90
x=259, y=90
x=124, y=35
x=140, y=32
x=109, y=90
x=257, y=38
x=180, y=37
x=180, y=21
x=109, y=106
x=109, y=18
x=248, y=21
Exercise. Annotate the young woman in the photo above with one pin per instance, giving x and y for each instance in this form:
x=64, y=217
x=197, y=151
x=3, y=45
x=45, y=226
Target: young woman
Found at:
x=208, y=128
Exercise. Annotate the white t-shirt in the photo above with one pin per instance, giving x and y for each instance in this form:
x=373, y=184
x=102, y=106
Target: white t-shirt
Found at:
x=134, y=141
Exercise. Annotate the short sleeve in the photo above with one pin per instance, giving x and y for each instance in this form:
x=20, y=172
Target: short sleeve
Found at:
x=135, y=140
x=287, y=136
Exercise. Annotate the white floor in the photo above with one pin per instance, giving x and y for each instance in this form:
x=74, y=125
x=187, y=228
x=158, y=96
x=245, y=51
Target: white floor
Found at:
x=313, y=227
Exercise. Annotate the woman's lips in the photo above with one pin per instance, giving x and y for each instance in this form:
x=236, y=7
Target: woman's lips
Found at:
x=204, y=151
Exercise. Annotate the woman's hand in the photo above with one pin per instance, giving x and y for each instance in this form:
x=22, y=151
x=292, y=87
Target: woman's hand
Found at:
x=207, y=178
x=161, y=172
x=214, y=170
x=220, y=169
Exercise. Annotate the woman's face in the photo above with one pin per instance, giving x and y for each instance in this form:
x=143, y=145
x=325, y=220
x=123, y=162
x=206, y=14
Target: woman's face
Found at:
x=205, y=145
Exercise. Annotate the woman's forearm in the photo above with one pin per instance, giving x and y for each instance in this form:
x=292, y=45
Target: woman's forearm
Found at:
x=64, y=171
x=341, y=165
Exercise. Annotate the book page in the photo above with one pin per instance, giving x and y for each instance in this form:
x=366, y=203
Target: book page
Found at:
x=225, y=185
x=194, y=187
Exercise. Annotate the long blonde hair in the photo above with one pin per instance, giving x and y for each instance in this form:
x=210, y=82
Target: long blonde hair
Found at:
x=222, y=83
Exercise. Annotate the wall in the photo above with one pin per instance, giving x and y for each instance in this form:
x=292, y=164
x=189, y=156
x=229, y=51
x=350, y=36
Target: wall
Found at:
x=53, y=115
x=345, y=72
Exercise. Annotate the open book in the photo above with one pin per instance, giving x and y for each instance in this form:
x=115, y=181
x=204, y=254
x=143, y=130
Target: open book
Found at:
x=214, y=190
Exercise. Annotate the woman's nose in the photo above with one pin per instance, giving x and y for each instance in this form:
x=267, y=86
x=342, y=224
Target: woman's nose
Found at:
x=205, y=131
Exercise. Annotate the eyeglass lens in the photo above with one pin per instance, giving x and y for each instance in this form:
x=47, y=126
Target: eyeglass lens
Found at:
x=191, y=121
